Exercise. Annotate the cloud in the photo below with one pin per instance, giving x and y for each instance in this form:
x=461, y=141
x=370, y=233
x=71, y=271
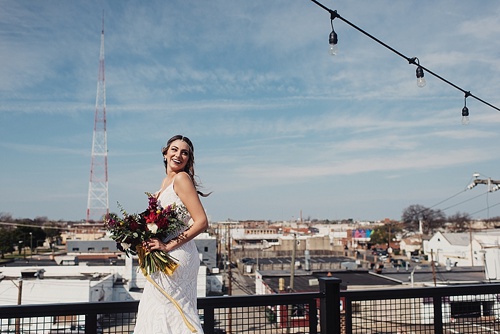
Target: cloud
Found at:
x=252, y=85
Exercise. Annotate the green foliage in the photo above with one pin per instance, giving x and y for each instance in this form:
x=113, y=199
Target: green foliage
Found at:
x=6, y=241
x=52, y=233
x=381, y=234
x=28, y=236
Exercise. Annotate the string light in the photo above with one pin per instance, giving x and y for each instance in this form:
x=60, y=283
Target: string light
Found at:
x=333, y=38
x=465, y=110
x=420, y=68
x=420, y=75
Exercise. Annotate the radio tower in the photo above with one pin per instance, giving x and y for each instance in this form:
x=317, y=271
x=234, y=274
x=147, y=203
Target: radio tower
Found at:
x=97, y=204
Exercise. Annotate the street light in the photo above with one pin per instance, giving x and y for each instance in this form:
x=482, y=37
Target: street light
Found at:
x=21, y=242
x=412, y=272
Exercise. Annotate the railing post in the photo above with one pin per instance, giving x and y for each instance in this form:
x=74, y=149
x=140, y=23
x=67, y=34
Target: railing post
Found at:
x=91, y=323
x=330, y=305
x=313, y=317
x=208, y=320
x=438, y=314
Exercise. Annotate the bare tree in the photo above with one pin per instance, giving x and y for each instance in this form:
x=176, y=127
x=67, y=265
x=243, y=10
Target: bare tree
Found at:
x=415, y=214
x=459, y=222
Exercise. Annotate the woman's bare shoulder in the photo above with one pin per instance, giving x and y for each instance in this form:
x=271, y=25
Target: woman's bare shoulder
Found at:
x=183, y=179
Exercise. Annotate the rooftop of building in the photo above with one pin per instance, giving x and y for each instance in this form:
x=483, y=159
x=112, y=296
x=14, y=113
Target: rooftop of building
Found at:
x=424, y=274
x=306, y=281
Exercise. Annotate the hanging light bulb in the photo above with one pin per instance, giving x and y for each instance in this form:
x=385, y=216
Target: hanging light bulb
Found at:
x=420, y=77
x=465, y=111
x=420, y=71
x=333, y=43
x=465, y=116
x=333, y=39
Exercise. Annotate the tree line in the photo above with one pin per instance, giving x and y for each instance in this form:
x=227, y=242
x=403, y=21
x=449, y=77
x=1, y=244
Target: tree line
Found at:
x=32, y=233
x=416, y=217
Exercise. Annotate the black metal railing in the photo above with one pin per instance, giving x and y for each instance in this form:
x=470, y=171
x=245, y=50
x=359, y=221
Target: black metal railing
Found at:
x=451, y=309
x=448, y=309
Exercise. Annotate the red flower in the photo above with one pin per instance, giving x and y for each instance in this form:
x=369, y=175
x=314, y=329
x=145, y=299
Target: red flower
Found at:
x=162, y=222
x=150, y=217
x=134, y=225
x=153, y=203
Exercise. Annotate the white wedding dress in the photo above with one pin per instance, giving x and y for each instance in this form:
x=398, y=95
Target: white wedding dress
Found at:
x=156, y=314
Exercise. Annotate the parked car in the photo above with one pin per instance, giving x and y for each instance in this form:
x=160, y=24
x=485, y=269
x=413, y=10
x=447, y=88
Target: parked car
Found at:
x=400, y=263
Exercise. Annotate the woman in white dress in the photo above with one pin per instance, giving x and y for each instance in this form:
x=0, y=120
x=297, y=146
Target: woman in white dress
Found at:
x=156, y=314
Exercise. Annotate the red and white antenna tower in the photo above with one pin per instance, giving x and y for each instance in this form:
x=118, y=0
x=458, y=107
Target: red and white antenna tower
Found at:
x=98, y=205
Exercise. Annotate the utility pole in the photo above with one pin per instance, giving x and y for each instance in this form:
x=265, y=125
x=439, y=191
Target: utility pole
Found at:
x=228, y=260
x=19, y=291
x=229, y=278
x=31, y=245
x=292, y=278
x=493, y=185
x=389, y=248
x=292, y=265
x=19, y=298
x=433, y=267
x=470, y=244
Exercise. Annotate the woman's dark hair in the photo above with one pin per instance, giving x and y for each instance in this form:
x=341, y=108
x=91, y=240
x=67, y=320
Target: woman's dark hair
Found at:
x=189, y=168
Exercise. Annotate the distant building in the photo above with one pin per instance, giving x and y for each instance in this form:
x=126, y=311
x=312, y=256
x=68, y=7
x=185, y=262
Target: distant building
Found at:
x=207, y=248
x=457, y=249
x=83, y=231
x=412, y=244
x=297, y=315
x=95, y=270
x=58, y=284
x=91, y=246
x=475, y=248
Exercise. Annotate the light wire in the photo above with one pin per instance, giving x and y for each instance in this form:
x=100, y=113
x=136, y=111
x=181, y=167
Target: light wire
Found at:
x=334, y=14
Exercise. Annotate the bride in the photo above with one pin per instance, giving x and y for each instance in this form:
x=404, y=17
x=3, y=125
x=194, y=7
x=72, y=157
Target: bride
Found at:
x=156, y=314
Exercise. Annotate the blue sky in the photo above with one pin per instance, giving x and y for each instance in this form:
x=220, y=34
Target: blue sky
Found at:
x=279, y=126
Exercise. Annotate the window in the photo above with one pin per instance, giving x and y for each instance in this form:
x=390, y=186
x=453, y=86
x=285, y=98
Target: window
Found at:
x=299, y=310
x=206, y=249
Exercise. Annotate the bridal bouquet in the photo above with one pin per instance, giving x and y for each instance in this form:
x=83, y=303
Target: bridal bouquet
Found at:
x=131, y=230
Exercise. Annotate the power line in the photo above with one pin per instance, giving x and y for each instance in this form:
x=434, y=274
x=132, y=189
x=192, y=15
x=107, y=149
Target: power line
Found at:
x=490, y=206
x=465, y=201
x=448, y=198
x=32, y=225
x=459, y=203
